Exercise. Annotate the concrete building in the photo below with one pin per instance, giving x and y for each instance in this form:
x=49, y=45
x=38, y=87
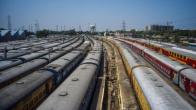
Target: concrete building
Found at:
x=161, y=28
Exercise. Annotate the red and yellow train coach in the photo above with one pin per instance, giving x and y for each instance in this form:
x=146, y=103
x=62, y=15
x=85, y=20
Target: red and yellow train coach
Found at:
x=175, y=71
x=150, y=89
x=184, y=56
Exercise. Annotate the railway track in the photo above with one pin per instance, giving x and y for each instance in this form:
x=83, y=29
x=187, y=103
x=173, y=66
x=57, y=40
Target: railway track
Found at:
x=78, y=75
x=119, y=93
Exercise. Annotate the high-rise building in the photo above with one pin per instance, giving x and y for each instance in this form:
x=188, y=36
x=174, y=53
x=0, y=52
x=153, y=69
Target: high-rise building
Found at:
x=123, y=26
x=161, y=28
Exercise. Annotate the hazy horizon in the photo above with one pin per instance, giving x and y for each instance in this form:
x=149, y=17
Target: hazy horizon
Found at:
x=104, y=13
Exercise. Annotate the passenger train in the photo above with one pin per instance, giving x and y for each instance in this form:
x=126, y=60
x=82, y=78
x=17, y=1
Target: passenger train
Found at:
x=28, y=92
x=152, y=92
x=182, y=75
x=76, y=92
x=182, y=55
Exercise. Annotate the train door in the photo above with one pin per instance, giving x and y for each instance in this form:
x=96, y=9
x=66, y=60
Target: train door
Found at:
x=181, y=82
x=175, y=76
x=161, y=51
x=193, y=89
x=49, y=86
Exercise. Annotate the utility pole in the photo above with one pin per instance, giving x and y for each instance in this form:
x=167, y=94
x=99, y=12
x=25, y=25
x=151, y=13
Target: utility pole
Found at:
x=31, y=27
x=56, y=27
x=36, y=26
x=80, y=29
x=61, y=28
x=123, y=26
x=9, y=23
x=64, y=27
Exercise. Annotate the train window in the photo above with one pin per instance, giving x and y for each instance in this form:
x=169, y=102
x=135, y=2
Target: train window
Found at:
x=40, y=95
x=34, y=100
x=25, y=107
x=31, y=103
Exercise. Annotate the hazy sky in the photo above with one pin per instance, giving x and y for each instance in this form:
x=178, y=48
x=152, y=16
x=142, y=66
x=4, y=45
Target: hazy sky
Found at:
x=104, y=13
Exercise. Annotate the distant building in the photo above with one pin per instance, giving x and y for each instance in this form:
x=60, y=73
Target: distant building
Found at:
x=146, y=28
x=161, y=28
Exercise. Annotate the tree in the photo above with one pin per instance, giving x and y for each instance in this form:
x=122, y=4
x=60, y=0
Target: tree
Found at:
x=42, y=33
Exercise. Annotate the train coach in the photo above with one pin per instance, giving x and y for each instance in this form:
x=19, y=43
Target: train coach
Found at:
x=5, y=64
x=152, y=92
x=174, y=70
x=10, y=75
x=27, y=92
x=171, y=69
x=76, y=91
x=182, y=55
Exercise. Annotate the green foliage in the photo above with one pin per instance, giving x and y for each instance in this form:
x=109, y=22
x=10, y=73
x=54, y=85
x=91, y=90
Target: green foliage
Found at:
x=191, y=33
x=42, y=33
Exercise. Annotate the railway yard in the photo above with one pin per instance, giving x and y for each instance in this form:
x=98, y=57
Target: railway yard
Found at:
x=86, y=72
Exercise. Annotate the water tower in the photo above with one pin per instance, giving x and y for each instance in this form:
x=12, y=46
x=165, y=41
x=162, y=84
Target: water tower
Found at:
x=92, y=28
